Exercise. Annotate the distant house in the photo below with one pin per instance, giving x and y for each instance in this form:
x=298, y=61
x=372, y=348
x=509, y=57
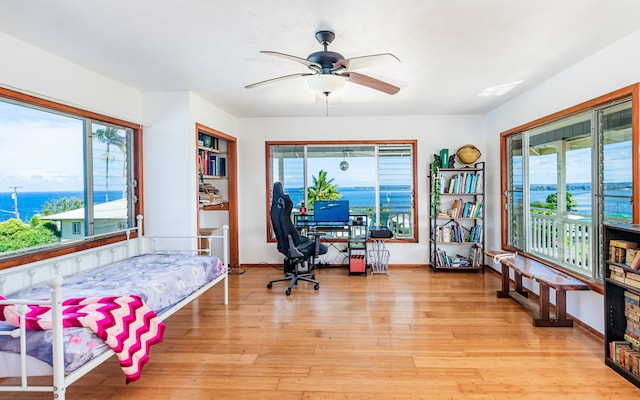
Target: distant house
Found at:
x=108, y=217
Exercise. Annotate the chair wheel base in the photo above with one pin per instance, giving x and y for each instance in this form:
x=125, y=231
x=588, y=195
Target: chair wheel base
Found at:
x=287, y=292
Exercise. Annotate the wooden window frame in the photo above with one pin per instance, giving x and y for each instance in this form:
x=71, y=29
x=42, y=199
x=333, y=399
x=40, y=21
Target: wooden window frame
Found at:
x=631, y=91
x=89, y=242
x=412, y=142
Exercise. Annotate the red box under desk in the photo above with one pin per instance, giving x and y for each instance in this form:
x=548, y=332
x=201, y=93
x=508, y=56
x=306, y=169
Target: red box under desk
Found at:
x=357, y=264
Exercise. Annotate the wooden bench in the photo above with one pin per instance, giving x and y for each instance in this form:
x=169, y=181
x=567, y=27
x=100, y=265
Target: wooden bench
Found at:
x=546, y=277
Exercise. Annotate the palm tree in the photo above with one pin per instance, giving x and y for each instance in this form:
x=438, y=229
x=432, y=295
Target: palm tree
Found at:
x=322, y=189
x=110, y=136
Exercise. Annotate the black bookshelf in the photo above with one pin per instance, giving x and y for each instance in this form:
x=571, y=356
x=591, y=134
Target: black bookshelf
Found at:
x=620, y=293
x=457, y=218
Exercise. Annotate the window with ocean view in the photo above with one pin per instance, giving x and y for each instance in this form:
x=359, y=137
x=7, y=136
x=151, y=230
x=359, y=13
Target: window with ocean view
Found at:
x=565, y=179
x=63, y=177
x=376, y=178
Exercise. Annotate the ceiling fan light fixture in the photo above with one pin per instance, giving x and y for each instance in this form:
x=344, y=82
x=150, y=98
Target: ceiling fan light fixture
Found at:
x=326, y=83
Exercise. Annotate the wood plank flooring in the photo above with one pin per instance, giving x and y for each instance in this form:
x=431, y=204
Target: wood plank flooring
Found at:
x=412, y=335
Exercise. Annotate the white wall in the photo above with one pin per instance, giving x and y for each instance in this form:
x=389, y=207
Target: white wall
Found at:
x=27, y=69
x=169, y=159
x=432, y=132
x=169, y=190
x=612, y=68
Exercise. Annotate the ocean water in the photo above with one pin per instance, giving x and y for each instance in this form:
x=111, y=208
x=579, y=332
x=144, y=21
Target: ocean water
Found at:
x=30, y=203
x=399, y=196
x=616, y=200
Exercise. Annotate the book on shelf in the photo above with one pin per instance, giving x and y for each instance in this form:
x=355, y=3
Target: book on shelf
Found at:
x=631, y=361
x=625, y=244
x=632, y=330
x=614, y=348
x=450, y=233
x=616, y=273
x=631, y=316
x=211, y=164
x=464, y=182
x=635, y=344
x=445, y=234
x=455, y=208
x=631, y=298
x=628, y=358
x=209, y=194
x=442, y=260
x=631, y=281
x=479, y=187
x=632, y=276
x=635, y=262
x=474, y=259
x=475, y=234
x=634, y=325
x=618, y=250
x=629, y=255
x=440, y=183
x=475, y=256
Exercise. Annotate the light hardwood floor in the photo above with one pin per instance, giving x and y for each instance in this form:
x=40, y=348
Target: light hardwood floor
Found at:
x=413, y=335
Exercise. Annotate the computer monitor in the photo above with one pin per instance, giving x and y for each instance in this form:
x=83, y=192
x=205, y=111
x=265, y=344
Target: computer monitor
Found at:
x=325, y=211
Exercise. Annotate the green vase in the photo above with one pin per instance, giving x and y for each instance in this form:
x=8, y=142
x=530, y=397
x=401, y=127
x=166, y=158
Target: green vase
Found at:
x=444, y=158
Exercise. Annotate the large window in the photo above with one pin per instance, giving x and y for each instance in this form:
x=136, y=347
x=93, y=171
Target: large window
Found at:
x=564, y=179
x=378, y=179
x=65, y=175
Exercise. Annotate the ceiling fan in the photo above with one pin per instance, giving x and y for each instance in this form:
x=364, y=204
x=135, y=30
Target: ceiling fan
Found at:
x=330, y=70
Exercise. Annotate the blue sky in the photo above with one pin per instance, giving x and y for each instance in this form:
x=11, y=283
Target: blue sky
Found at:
x=40, y=151
x=43, y=152
x=617, y=165
x=361, y=172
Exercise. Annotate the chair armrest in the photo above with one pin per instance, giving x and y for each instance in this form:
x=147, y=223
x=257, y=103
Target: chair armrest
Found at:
x=293, y=250
x=316, y=238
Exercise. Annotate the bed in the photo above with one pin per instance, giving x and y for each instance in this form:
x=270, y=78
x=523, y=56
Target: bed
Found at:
x=139, y=282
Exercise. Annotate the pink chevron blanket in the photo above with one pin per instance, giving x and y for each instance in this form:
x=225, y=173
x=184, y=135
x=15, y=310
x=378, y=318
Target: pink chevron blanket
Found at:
x=125, y=324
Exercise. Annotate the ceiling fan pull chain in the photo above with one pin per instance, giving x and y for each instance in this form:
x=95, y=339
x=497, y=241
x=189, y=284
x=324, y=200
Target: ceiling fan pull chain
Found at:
x=326, y=103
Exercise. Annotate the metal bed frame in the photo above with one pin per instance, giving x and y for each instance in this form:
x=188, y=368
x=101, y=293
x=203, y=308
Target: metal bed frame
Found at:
x=52, y=270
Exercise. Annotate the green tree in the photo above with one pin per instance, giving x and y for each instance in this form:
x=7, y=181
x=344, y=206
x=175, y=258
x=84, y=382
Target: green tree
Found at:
x=551, y=202
x=572, y=204
x=36, y=222
x=15, y=235
x=61, y=204
x=111, y=137
x=322, y=189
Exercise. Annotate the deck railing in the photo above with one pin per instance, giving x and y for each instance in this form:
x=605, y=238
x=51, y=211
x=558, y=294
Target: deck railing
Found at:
x=564, y=240
x=397, y=219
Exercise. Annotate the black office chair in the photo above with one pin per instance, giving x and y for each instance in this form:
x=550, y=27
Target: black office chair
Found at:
x=297, y=249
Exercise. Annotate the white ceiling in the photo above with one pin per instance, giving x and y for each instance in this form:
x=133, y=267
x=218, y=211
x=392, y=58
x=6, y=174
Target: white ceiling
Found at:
x=450, y=50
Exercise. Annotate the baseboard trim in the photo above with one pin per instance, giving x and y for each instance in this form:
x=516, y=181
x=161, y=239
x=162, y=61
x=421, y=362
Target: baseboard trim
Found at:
x=533, y=297
x=391, y=266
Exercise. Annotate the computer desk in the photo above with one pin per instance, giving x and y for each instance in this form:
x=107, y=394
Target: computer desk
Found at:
x=354, y=230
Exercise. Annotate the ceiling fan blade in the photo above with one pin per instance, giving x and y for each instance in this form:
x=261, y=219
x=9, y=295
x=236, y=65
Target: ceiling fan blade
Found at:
x=365, y=61
x=373, y=83
x=280, y=78
x=303, y=61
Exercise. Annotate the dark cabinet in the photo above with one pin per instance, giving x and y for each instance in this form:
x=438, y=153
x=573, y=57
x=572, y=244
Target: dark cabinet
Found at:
x=621, y=298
